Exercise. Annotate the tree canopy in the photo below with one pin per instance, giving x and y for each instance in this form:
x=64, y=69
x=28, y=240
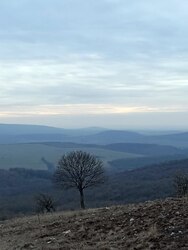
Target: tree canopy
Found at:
x=79, y=170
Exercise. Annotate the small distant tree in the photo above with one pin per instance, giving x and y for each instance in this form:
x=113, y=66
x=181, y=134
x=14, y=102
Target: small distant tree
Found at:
x=181, y=184
x=44, y=203
x=79, y=170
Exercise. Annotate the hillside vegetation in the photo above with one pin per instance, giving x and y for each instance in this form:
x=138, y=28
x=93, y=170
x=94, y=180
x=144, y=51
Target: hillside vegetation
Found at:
x=157, y=225
x=18, y=187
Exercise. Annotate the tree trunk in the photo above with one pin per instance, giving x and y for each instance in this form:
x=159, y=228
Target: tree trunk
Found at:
x=82, y=204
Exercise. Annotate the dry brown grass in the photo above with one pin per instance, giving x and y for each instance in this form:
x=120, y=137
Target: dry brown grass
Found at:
x=152, y=225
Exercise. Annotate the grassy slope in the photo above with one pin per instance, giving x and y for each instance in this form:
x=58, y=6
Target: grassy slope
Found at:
x=151, y=225
x=29, y=155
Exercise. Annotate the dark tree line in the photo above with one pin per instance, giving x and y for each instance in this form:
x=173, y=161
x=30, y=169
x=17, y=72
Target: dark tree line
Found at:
x=181, y=184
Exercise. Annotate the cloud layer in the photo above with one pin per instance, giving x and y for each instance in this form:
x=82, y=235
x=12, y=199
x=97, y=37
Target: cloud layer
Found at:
x=92, y=57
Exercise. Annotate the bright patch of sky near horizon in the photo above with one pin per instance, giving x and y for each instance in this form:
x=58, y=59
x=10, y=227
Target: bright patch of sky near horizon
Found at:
x=112, y=63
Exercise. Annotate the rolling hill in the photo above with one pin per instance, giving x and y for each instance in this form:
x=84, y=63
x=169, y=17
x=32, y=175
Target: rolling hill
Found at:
x=160, y=224
x=35, y=133
x=116, y=157
x=117, y=136
x=144, y=149
x=30, y=155
x=21, y=133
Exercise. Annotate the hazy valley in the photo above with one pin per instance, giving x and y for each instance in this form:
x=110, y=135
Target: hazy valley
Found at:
x=138, y=168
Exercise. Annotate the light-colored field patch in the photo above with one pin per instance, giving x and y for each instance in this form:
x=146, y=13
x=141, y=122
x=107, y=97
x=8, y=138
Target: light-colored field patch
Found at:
x=29, y=155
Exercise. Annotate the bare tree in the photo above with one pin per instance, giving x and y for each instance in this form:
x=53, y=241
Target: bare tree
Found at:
x=79, y=170
x=44, y=203
x=181, y=184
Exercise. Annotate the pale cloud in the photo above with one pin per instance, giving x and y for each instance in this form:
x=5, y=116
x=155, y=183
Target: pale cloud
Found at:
x=78, y=110
x=93, y=57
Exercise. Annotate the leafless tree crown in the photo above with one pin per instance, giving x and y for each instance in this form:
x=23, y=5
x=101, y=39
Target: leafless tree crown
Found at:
x=79, y=169
x=44, y=203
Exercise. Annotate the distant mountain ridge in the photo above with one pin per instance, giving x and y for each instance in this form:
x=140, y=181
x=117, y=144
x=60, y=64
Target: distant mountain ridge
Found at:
x=14, y=133
x=113, y=136
x=123, y=136
x=21, y=129
x=23, y=133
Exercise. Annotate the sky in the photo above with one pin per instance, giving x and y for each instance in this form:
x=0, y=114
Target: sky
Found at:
x=107, y=63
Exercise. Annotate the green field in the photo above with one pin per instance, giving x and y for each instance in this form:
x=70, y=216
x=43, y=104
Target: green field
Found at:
x=29, y=155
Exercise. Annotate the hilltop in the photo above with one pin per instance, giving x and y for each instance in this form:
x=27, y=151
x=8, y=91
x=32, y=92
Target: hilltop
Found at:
x=150, y=225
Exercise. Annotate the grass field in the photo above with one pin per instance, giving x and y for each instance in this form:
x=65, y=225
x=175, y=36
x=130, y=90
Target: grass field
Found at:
x=29, y=155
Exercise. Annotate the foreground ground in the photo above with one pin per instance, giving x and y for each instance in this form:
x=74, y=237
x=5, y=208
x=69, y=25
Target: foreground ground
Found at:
x=151, y=225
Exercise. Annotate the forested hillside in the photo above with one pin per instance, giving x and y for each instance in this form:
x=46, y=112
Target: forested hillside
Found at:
x=18, y=188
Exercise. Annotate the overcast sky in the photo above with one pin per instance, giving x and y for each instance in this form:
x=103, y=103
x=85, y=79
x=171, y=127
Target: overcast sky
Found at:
x=110, y=63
